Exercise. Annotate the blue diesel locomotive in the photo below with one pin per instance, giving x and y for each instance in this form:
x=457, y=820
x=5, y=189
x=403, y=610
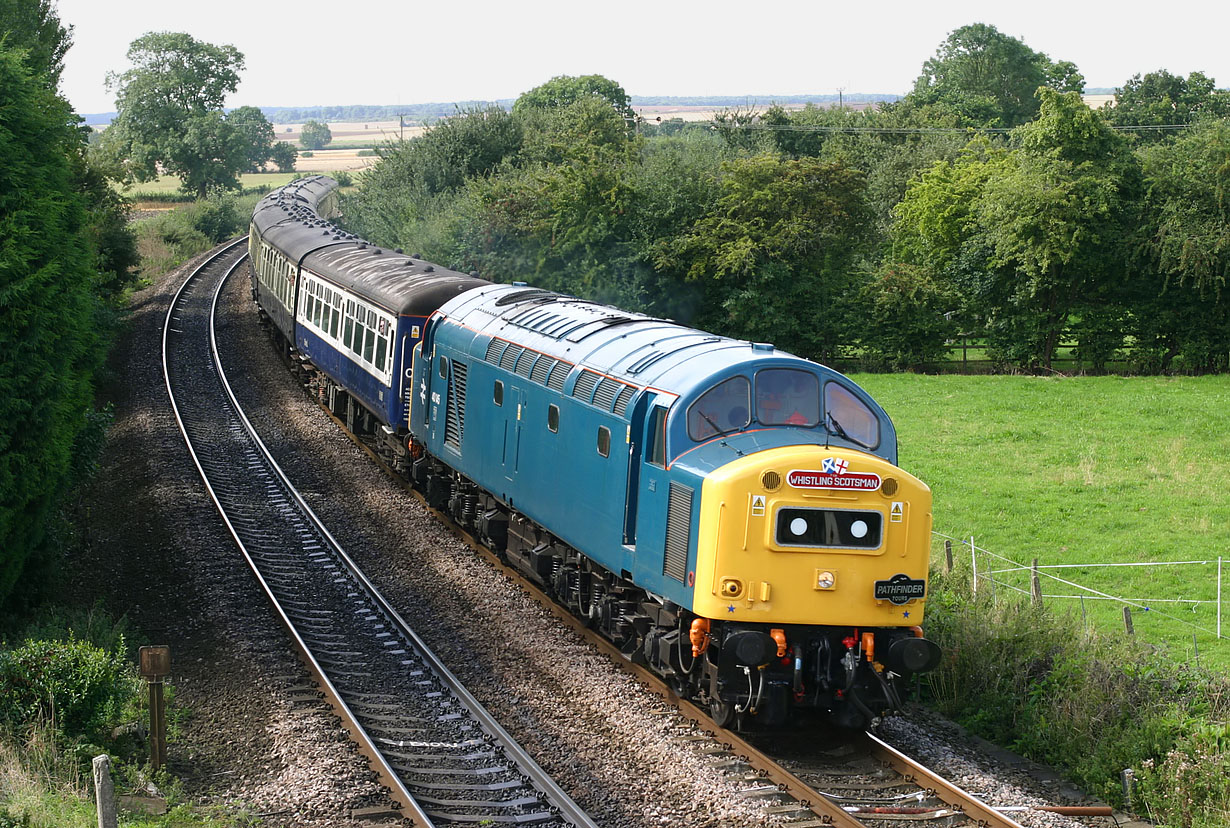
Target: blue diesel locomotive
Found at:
x=727, y=513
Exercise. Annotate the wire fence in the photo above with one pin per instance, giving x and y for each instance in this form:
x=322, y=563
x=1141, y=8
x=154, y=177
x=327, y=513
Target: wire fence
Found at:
x=994, y=572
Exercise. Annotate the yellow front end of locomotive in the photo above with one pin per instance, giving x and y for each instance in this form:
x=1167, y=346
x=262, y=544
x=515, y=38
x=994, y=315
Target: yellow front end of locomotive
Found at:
x=813, y=535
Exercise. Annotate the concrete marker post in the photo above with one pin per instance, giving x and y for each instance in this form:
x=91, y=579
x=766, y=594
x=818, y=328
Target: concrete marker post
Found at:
x=104, y=792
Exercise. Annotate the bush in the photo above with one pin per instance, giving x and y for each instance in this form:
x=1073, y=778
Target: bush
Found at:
x=343, y=178
x=215, y=217
x=1090, y=704
x=82, y=689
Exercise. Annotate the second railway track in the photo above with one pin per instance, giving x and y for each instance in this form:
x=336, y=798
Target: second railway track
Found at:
x=443, y=757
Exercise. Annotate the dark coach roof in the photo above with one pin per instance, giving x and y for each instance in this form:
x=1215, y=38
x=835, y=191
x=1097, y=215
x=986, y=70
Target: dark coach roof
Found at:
x=406, y=285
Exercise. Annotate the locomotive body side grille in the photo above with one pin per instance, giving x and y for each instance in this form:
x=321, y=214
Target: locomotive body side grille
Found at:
x=558, y=374
x=455, y=417
x=494, y=349
x=678, y=532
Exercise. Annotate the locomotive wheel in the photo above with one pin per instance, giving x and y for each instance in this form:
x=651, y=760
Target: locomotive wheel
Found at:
x=723, y=713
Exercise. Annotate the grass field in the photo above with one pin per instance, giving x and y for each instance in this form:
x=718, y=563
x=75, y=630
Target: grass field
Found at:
x=1078, y=471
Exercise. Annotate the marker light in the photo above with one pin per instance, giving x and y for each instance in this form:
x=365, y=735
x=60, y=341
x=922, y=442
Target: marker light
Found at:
x=825, y=580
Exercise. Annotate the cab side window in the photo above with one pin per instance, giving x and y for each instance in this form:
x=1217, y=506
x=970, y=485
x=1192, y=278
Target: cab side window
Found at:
x=656, y=449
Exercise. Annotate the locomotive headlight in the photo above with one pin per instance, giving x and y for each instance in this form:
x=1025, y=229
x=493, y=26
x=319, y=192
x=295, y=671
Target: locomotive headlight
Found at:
x=825, y=579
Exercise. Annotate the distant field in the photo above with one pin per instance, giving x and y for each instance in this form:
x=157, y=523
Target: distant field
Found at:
x=1082, y=470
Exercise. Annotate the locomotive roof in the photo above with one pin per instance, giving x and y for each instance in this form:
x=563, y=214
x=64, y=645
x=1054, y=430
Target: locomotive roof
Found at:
x=638, y=349
x=287, y=218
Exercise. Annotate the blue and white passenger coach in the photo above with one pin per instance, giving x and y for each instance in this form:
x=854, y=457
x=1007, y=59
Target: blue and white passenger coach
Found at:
x=358, y=309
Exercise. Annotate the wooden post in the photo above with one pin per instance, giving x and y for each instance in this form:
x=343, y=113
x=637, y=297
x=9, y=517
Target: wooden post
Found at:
x=1035, y=585
x=1127, y=620
x=157, y=727
x=104, y=792
x=155, y=666
x=947, y=557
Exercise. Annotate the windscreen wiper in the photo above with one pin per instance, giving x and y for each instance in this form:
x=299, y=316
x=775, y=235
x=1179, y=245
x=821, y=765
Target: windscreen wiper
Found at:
x=841, y=432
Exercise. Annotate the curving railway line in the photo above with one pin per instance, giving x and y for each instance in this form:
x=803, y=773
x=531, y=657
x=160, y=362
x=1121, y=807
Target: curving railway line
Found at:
x=441, y=756
x=444, y=759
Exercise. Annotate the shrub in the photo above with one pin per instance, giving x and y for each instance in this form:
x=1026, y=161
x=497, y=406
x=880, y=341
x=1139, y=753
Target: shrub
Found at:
x=1190, y=787
x=82, y=689
x=343, y=178
x=1087, y=703
x=215, y=217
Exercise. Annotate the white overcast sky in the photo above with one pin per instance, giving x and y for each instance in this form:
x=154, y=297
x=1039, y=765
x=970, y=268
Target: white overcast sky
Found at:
x=310, y=52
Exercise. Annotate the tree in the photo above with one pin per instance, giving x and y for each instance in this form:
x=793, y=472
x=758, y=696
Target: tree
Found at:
x=1028, y=236
x=565, y=90
x=315, y=135
x=250, y=123
x=777, y=253
x=1181, y=297
x=170, y=112
x=1160, y=98
x=284, y=155
x=35, y=26
x=990, y=78
x=49, y=316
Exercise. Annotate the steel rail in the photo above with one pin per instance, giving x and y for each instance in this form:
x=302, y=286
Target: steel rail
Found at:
x=386, y=774
x=950, y=794
x=559, y=801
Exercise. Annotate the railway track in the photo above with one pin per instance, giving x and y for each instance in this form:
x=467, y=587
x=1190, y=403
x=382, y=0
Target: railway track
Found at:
x=444, y=759
x=872, y=785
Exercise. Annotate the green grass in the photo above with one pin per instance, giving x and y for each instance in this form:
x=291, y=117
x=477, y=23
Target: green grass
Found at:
x=1082, y=470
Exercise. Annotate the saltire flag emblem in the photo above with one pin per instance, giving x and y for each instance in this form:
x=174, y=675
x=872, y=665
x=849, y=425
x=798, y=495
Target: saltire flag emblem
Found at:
x=834, y=465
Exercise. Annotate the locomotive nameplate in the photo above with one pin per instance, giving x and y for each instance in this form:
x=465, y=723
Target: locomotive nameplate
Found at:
x=845, y=481
x=900, y=589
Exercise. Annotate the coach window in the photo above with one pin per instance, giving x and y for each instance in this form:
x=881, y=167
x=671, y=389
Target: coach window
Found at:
x=604, y=441
x=553, y=417
x=498, y=394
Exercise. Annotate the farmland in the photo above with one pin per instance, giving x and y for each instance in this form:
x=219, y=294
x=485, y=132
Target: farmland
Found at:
x=1081, y=470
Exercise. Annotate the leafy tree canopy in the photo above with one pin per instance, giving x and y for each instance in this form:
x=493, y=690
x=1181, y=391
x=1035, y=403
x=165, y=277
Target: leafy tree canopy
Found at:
x=315, y=135
x=48, y=314
x=257, y=133
x=990, y=78
x=170, y=112
x=284, y=155
x=35, y=26
x=1159, y=98
x=565, y=90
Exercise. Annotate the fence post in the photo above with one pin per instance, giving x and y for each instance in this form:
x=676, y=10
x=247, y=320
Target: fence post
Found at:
x=1035, y=585
x=973, y=553
x=947, y=557
x=1127, y=620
